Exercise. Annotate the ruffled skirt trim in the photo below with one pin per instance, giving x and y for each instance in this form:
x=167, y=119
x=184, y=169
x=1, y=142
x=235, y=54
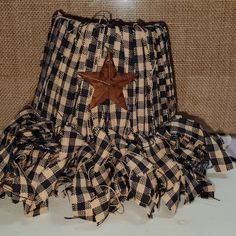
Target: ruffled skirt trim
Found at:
x=100, y=172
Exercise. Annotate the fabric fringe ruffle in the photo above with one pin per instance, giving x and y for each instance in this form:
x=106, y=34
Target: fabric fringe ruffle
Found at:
x=102, y=171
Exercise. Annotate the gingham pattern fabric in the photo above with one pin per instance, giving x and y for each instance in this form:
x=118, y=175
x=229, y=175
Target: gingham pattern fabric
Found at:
x=63, y=97
x=101, y=157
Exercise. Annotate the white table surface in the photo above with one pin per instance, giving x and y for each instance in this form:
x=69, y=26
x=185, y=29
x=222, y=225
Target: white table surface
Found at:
x=202, y=217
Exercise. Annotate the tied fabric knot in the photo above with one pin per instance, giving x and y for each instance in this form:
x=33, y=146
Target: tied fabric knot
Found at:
x=93, y=173
x=30, y=161
x=189, y=128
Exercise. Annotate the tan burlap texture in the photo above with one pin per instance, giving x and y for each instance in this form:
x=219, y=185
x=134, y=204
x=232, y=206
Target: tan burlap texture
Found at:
x=203, y=43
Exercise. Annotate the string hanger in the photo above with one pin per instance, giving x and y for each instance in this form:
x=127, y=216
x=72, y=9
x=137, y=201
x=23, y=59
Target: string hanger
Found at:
x=102, y=15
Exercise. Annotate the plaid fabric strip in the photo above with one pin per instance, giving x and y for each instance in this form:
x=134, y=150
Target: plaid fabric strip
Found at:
x=45, y=60
x=218, y=157
x=106, y=180
x=31, y=165
x=158, y=173
x=104, y=171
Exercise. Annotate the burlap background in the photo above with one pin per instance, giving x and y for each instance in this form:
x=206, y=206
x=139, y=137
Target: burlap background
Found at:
x=203, y=40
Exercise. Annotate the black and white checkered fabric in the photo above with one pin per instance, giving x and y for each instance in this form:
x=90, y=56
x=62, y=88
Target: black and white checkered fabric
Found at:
x=104, y=156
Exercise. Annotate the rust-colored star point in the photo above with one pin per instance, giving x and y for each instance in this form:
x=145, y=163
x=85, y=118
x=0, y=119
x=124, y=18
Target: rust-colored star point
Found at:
x=108, y=83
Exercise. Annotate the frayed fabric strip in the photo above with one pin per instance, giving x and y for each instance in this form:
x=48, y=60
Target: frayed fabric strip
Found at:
x=104, y=171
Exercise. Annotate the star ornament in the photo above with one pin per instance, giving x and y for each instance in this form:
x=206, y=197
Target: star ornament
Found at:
x=108, y=83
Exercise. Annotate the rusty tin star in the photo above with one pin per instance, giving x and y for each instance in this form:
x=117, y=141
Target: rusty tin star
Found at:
x=108, y=83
